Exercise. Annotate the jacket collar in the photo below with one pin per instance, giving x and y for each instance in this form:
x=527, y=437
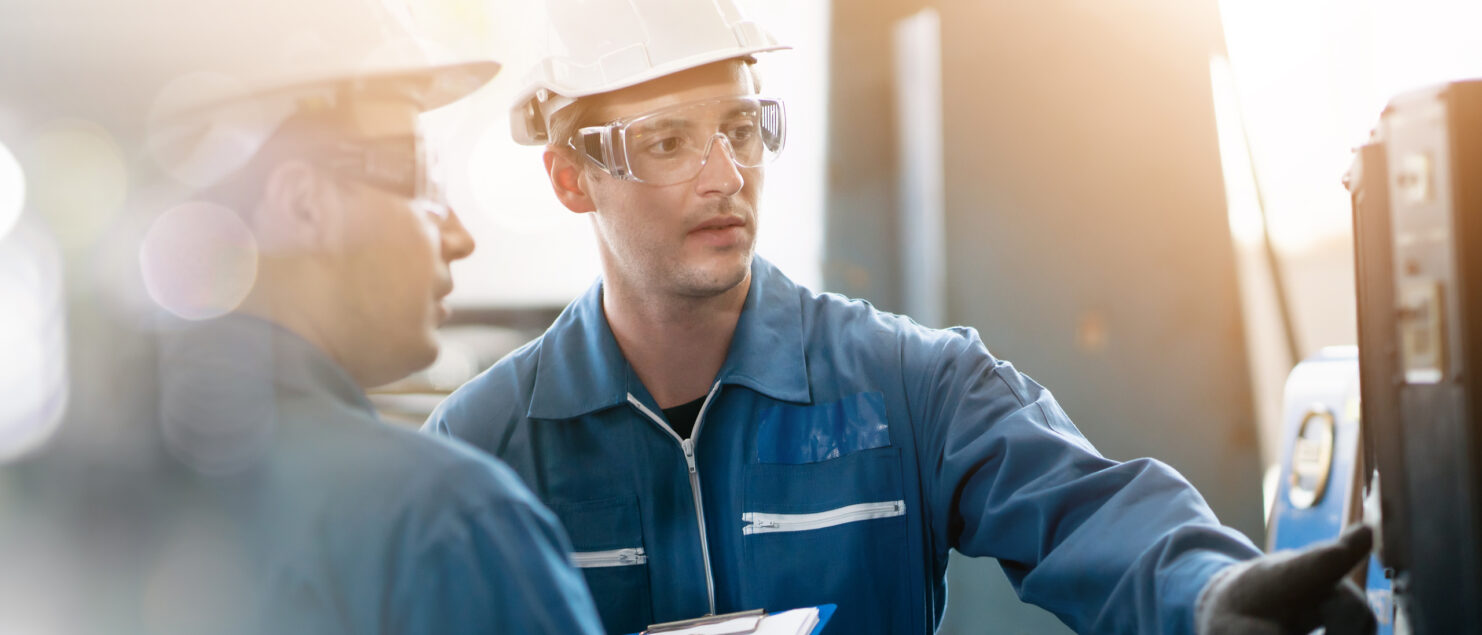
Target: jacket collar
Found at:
x=237, y=361
x=767, y=350
x=581, y=369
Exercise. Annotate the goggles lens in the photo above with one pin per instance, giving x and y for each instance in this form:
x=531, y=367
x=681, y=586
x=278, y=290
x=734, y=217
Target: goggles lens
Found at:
x=671, y=146
x=401, y=166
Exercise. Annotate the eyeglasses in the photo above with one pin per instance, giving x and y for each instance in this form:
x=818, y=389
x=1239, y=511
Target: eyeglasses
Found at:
x=671, y=145
x=401, y=166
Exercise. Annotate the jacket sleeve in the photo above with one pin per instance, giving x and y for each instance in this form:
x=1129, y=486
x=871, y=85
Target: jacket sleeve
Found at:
x=1108, y=547
x=497, y=565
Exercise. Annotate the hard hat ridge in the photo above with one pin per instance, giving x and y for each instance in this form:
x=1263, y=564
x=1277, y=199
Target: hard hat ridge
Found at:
x=598, y=46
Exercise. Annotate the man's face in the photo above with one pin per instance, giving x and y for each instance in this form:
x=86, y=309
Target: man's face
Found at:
x=690, y=239
x=393, y=266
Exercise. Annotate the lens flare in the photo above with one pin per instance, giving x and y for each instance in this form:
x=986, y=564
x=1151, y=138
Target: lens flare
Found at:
x=198, y=260
x=33, y=368
x=79, y=180
x=12, y=191
x=203, y=148
x=218, y=400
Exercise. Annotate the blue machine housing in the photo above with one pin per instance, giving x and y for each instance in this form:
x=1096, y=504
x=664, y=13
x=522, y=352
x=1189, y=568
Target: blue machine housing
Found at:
x=1319, y=491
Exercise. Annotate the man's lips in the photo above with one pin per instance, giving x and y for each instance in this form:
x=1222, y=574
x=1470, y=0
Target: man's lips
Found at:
x=723, y=222
x=440, y=300
x=723, y=232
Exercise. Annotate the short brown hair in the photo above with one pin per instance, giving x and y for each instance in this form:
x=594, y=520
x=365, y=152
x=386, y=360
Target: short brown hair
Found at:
x=564, y=123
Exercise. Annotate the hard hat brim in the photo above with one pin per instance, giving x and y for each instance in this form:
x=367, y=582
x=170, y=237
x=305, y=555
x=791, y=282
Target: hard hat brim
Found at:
x=429, y=88
x=524, y=134
x=449, y=83
x=656, y=72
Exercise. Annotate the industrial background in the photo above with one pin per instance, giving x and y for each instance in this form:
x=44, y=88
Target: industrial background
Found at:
x=1137, y=202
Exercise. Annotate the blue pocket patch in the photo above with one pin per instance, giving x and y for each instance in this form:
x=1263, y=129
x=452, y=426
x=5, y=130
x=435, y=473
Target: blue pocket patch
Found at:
x=808, y=434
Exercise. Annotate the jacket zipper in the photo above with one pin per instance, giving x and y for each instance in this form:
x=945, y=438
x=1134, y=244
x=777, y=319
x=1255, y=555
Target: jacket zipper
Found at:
x=763, y=523
x=609, y=558
x=688, y=445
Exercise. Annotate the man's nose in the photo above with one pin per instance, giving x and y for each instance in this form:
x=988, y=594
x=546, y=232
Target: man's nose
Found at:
x=720, y=174
x=457, y=243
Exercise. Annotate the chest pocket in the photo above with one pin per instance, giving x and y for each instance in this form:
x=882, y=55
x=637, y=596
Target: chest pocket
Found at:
x=824, y=515
x=793, y=435
x=607, y=545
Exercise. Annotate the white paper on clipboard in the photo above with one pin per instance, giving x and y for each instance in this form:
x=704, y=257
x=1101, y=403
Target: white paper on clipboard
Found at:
x=794, y=622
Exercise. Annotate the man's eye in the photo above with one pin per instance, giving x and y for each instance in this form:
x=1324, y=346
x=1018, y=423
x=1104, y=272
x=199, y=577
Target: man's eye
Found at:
x=666, y=145
x=743, y=132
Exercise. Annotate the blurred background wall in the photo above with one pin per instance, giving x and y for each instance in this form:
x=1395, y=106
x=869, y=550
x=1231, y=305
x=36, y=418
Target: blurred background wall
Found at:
x=1083, y=234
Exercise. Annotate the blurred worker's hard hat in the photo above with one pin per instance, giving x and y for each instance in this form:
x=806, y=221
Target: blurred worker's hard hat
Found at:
x=136, y=69
x=597, y=46
x=228, y=73
x=268, y=46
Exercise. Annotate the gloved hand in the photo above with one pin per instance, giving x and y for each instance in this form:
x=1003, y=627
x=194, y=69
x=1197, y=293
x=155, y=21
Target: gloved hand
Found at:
x=1290, y=592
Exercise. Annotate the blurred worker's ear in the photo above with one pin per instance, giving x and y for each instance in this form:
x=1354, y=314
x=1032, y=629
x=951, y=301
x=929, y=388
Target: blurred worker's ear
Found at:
x=295, y=213
x=567, y=180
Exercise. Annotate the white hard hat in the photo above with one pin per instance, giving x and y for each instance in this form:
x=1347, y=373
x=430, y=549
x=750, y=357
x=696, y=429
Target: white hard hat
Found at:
x=111, y=60
x=596, y=46
x=271, y=45
x=225, y=74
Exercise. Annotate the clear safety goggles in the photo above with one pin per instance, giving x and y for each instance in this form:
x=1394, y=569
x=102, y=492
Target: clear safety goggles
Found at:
x=401, y=166
x=671, y=145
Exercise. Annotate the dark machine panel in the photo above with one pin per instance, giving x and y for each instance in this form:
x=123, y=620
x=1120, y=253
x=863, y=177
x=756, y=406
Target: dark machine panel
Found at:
x=1417, y=229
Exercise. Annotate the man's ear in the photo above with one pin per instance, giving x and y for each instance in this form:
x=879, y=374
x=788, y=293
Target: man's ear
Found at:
x=295, y=213
x=566, y=180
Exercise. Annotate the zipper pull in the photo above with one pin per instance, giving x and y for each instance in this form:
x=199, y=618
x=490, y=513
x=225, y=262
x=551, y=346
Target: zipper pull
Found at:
x=689, y=453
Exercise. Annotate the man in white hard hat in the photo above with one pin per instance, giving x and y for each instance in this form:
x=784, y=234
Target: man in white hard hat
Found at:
x=288, y=506
x=716, y=438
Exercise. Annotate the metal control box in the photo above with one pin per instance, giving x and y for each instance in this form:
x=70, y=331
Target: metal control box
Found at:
x=1417, y=205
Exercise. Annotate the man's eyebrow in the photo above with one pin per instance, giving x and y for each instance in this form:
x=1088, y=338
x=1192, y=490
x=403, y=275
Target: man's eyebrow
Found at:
x=666, y=123
x=680, y=122
x=740, y=109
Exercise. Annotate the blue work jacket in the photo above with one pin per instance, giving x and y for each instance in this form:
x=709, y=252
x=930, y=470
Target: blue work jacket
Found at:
x=337, y=521
x=841, y=453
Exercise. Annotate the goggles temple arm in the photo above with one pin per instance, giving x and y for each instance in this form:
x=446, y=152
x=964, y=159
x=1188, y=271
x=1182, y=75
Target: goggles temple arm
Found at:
x=582, y=144
x=603, y=146
x=614, y=145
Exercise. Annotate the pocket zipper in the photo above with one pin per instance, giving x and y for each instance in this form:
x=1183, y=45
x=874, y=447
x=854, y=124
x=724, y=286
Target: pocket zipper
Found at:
x=763, y=523
x=609, y=558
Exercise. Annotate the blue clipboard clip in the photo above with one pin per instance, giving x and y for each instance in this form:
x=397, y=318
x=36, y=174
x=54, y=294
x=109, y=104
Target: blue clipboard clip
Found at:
x=825, y=611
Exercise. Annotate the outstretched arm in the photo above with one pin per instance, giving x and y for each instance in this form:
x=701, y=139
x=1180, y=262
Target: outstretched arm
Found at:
x=1106, y=546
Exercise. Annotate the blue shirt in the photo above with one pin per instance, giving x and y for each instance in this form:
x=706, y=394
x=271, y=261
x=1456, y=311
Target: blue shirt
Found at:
x=843, y=451
x=328, y=520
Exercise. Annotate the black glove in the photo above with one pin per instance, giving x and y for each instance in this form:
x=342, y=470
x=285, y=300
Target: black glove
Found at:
x=1291, y=592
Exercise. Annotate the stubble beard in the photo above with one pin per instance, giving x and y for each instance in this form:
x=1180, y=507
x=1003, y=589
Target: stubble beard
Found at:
x=664, y=271
x=714, y=277
x=706, y=282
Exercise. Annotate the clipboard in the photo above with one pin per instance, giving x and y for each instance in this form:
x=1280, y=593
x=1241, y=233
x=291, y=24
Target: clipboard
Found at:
x=742, y=622
x=739, y=623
